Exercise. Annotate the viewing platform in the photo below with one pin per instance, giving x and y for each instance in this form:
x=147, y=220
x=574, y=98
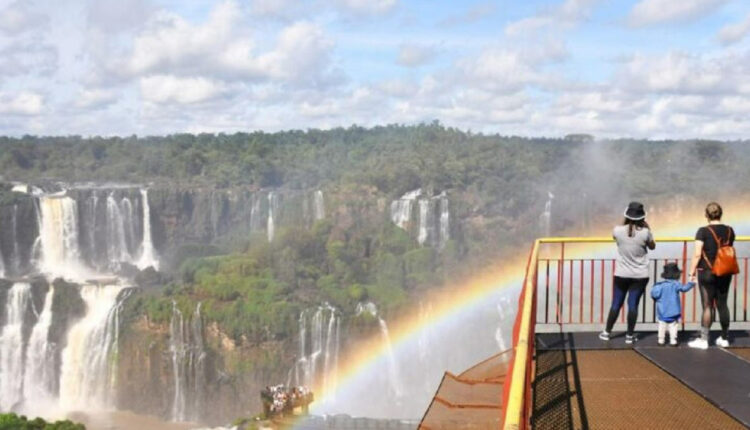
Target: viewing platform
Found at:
x=560, y=375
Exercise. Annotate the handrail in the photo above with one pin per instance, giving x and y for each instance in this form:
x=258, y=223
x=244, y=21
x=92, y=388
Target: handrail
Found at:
x=514, y=417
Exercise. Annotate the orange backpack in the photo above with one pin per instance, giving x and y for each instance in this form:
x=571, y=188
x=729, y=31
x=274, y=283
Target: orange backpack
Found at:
x=725, y=262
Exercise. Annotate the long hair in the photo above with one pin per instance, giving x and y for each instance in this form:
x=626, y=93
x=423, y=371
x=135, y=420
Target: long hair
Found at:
x=633, y=225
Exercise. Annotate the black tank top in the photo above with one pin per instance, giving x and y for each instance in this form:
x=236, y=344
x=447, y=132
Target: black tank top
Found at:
x=724, y=232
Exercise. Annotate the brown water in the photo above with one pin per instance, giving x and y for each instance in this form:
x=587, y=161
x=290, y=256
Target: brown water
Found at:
x=123, y=420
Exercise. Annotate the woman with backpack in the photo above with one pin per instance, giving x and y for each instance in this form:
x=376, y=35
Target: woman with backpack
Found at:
x=712, y=263
x=634, y=239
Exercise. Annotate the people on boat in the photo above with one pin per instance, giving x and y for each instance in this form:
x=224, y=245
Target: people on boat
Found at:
x=634, y=239
x=713, y=288
x=666, y=293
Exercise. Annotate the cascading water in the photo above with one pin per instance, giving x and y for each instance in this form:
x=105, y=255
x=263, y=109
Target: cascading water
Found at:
x=445, y=229
x=319, y=209
x=273, y=207
x=89, y=359
x=317, y=365
x=117, y=249
x=15, y=260
x=148, y=253
x=546, y=217
x=395, y=385
x=425, y=224
x=40, y=377
x=58, y=233
x=401, y=208
x=188, y=364
x=12, y=346
x=2, y=264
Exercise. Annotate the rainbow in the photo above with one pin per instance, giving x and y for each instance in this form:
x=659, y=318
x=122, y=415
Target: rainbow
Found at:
x=449, y=303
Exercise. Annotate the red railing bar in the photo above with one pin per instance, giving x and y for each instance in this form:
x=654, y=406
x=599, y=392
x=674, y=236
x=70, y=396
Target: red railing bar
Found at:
x=580, y=308
x=570, y=299
x=744, y=306
x=591, y=316
x=601, y=299
x=734, y=307
x=546, y=295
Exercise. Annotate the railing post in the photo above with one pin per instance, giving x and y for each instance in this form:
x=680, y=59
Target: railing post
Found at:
x=684, y=278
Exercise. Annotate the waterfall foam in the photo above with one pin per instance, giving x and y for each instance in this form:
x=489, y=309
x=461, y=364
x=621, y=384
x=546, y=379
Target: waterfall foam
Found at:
x=401, y=208
x=273, y=206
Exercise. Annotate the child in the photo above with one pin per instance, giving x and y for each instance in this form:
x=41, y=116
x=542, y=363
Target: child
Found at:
x=667, y=296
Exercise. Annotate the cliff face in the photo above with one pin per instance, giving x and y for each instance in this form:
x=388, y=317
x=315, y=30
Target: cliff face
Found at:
x=213, y=384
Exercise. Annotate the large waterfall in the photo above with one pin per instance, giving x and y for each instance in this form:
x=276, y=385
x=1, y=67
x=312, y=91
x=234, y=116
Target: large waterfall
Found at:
x=59, y=340
x=89, y=360
x=60, y=252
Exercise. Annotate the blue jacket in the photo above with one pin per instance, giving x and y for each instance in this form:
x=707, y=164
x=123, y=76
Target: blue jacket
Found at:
x=667, y=295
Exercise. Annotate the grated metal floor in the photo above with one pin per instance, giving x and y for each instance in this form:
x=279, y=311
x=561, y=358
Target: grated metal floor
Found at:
x=615, y=389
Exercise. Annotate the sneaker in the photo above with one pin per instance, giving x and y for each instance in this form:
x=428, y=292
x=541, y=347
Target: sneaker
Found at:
x=698, y=343
x=660, y=342
x=631, y=338
x=604, y=335
x=722, y=342
x=675, y=343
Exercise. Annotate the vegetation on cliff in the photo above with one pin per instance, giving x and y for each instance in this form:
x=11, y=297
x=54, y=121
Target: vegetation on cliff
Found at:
x=16, y=422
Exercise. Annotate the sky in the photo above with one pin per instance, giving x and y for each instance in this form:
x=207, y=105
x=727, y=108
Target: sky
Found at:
x=611, y=68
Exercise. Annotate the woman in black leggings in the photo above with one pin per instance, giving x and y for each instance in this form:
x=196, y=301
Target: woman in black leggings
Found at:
x=713, y=288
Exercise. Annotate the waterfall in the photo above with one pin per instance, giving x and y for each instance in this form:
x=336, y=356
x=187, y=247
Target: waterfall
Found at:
x=546, y=217
x=148, y=253
x=2, y=264
x=12, y=346
x=317, y=366
x=319, y=209
x=394, y=381
x=401, y=208
x=425, y=224
x=393, y=373
x=58, y=232
x=188, y=364
x=15, y=261
x=256, y=223
x=117, y=246
x=40, y=378
x=91, y=205
x=273, y=205
x=126, y=209
x=445, y=229
x=89, y=360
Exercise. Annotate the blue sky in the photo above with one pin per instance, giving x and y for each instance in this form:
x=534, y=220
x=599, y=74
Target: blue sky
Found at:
x=612, y=68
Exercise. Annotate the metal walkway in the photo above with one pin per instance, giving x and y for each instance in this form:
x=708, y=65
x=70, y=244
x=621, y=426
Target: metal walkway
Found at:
x=582, y=382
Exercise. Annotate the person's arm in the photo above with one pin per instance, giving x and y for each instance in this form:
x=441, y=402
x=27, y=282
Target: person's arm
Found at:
x=697, y=255
x=650, y=241
x=687, y=287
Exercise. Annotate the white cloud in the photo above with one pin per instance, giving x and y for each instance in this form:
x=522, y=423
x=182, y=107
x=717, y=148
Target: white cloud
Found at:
x=95, y=98
x=28, y=58
x=649, y=12
x=410, y=55
x=117, y=15
x=172, y=89
x=222, y=49
x=19, y=17
x=567, y=14
x=24, y=103
x=733, y=33
x=367, y=7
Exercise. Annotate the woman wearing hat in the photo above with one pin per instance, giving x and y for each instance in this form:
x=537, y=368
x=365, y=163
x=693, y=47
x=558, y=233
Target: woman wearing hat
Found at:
x=634, y=239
